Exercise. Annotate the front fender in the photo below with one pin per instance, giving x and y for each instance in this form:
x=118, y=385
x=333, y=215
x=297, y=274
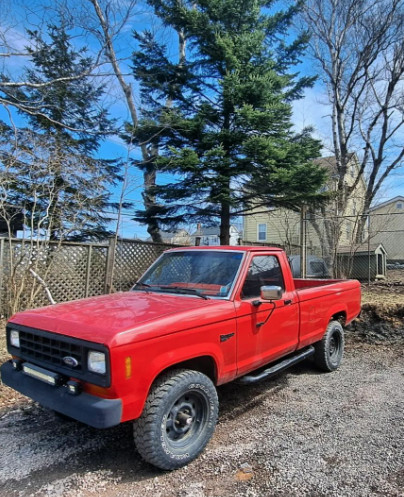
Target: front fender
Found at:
x=151, y=358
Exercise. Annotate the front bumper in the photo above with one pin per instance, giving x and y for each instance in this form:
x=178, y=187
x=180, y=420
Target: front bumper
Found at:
x=89, y=409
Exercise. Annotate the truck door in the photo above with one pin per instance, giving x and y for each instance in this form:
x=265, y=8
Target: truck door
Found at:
x=266, y=330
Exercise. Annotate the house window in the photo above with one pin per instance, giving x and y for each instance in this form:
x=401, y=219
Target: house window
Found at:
x=399, y=205
x=262, y=232
x=348, y=229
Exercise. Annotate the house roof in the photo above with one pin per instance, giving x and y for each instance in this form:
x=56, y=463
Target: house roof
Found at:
x=399, y=198
x=330, y=162
x=168, y=235
x=210, y=231
x=172, y=234
x=363, y=248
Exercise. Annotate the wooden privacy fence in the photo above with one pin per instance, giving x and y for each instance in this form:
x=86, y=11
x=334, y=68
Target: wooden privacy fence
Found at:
x=70, y=270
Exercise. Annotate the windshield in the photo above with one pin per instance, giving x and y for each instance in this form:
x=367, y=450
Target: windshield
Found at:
x=204, y=273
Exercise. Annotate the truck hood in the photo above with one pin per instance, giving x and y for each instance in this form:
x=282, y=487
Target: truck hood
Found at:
x=121, y=317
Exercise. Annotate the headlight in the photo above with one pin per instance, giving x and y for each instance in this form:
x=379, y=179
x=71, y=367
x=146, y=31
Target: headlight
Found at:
x=15, y=338
x=96, y=362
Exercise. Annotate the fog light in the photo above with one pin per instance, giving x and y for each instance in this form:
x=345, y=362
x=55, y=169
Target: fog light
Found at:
x=73, y=387
x=41, y=374
x=17, y=364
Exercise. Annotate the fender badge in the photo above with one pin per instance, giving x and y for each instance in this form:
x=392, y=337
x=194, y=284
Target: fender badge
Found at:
x=70, y=361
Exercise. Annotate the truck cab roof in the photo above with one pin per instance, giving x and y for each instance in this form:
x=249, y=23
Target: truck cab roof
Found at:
x=226, y=248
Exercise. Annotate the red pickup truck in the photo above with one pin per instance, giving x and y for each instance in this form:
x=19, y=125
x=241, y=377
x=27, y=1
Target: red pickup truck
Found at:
x=198, y=318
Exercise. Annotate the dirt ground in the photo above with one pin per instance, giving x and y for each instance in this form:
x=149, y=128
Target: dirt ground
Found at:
x=302, y=433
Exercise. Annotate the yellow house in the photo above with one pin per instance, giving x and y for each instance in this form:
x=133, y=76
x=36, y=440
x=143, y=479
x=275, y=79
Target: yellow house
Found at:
x=324, y=228
x=386, y=225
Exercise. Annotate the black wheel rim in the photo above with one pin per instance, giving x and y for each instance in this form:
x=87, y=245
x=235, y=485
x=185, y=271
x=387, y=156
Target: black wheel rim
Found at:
x=335, y=347
x=186, y=419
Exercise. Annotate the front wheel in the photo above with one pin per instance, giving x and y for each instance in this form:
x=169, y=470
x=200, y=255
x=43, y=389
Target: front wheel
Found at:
x=330, y=350
x=178, y=419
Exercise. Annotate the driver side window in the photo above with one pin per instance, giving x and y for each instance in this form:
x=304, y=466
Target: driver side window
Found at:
x=264, y=270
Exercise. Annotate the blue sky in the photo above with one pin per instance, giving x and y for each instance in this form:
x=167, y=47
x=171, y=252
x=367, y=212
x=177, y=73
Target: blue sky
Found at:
x=309, y=111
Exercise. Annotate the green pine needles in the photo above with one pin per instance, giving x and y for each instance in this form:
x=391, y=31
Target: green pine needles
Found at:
x=49, y=168
x=218, y=116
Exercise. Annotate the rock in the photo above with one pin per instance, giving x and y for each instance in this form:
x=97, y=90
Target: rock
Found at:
x=245, y=472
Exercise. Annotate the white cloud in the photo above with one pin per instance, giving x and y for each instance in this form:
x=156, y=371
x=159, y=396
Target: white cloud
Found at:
x=15, y=39
x=13, y=43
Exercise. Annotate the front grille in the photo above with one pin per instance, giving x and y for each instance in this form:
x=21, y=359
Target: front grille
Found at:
x=47, y=350
x=50, y=350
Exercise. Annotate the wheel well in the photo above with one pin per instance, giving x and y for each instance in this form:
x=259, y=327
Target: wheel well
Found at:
x=203, y=364
x=339, y=316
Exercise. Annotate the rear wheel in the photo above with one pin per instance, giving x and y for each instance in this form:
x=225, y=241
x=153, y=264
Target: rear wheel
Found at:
x=330, y=350
x=178, y=420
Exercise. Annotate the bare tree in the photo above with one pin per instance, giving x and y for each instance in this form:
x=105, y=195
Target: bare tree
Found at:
x=111, y=20
x=359, y=47
x=28, y=189
x=107, y=23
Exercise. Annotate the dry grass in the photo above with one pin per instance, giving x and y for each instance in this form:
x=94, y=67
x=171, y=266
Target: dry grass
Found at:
x=383, y=295
x=3, y=348
x=8, y=396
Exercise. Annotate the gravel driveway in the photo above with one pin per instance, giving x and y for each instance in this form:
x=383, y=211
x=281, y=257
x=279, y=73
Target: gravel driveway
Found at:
x=302, y=433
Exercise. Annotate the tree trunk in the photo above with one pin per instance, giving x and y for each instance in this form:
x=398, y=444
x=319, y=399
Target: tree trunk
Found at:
x=149, y=174
x=149, y=199
x=359, y=238
x=225, y=224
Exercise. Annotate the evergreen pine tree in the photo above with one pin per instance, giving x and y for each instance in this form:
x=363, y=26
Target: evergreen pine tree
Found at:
x=63, y=138
x=222, y=118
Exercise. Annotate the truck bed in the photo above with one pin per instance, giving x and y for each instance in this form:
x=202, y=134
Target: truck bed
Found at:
x=306, y=283
x=319, y=300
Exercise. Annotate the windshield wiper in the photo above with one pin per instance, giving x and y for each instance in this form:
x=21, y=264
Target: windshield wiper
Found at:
x=176, y=289
x=180, y=289
x=141, y=284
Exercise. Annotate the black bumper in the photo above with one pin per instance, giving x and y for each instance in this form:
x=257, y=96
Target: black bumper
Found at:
x=89, y=409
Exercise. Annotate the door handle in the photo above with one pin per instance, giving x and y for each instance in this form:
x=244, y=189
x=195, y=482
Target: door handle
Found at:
x=288, y=302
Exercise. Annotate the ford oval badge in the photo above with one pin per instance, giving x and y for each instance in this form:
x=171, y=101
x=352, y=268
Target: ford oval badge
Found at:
x=70, y=361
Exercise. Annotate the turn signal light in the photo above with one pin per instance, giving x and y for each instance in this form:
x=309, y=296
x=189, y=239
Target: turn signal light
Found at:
x=128, y=367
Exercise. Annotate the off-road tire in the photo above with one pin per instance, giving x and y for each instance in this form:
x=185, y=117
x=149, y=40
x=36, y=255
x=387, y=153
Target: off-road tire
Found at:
x=178, y=419
x=330, y=349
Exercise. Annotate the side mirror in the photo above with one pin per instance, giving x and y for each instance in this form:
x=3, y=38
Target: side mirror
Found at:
x=271, y=292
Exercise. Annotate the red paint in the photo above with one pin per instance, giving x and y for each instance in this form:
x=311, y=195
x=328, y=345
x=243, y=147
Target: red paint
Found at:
x=160, y=330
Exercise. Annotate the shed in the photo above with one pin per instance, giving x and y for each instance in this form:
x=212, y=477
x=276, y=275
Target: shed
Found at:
x=363, y=262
